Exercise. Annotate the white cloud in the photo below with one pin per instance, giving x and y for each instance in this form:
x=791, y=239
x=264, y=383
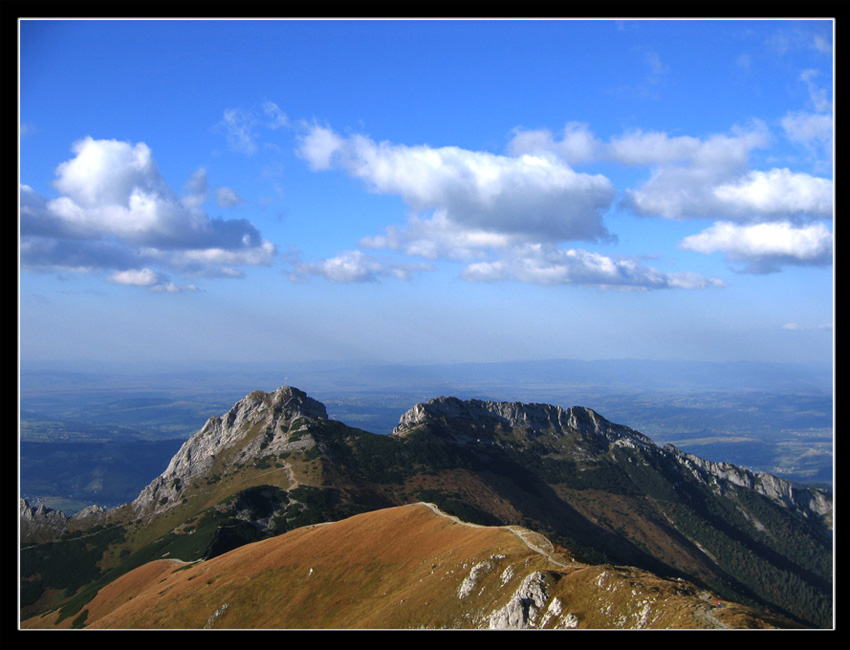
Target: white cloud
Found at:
x=814, y=132
x=227, y=198
x=149, y=278
x=700, y=177
x=656, y=67
x=196, y=189
x=709, y=189
x=277, y=117
x=170, y=287
x=239, y=129
x=720, y=153
x=539, y=264
x=318, y=146
x=809, y=128
x=776, y=194
x=822, y=44
x=144, y=277
x=502, y=215
x=526, y=196
x=577, y=144
x=437, y=237
x=506, y=215
x=765, y=247
x=116, y=212
x=356, y=266
x=796, y=327
x=818, y=95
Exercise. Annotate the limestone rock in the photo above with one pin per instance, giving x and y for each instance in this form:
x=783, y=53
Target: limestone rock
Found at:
x=488, y=417
x=525, y=605
x=40, y=523
x=809, y=502
x=260, y=423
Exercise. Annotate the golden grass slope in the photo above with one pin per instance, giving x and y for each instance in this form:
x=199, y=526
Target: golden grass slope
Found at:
x=403, y=567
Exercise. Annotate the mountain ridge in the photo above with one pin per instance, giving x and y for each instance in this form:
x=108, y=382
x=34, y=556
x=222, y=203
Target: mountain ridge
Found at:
x=275, y=462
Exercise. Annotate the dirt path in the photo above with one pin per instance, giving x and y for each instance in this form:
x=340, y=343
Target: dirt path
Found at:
x=534, y=541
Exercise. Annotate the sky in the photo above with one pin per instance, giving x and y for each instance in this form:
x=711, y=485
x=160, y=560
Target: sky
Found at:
x=425, y=191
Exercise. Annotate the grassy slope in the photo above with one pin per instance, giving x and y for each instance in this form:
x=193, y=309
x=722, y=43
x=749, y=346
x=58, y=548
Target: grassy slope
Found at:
x=395, y=568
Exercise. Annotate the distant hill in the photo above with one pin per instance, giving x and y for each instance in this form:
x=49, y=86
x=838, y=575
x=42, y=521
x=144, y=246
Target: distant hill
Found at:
x=604, y=492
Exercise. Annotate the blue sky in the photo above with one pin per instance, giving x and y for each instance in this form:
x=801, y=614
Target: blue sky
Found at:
x=425, y=190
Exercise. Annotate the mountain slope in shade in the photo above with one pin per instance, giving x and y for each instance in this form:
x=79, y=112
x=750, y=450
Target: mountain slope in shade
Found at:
x=403, y=567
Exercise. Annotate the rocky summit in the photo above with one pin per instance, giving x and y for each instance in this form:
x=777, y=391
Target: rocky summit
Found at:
x=286, y=411
x=493, y=420
x=603, y=493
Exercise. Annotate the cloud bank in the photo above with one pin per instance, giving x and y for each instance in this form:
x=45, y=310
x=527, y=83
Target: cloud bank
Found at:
x=763, y=219
x=503, y=215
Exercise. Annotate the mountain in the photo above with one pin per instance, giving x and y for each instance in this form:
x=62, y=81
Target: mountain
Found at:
x=275, y=463
x=404, y=567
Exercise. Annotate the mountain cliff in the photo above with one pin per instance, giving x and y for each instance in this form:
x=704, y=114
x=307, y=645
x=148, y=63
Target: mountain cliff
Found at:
x=275, y=462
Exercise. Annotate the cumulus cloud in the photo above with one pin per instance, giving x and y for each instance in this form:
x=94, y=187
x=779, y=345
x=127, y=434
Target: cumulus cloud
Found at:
x=547, y=265
x=115, y=212
x=144, y=277
x=694, y=193
x=697, y=178
x=524, y=196
x=766, y=247
x=577, y=144
x=505, y=216
x=776, y=194
x=149, y=278
x=502, y=215
x=699, y=192
x=356, y=266
x=719, y=153
x=437, y=237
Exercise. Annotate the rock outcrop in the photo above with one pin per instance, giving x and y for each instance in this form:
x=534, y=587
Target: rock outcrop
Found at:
x=40, y=523
x=810, y=502
x=260, y=424
x=488, y=418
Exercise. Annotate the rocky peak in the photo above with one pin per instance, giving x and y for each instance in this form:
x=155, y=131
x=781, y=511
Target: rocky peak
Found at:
x=260, y=421
x=463, y=418
x=40, y=523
